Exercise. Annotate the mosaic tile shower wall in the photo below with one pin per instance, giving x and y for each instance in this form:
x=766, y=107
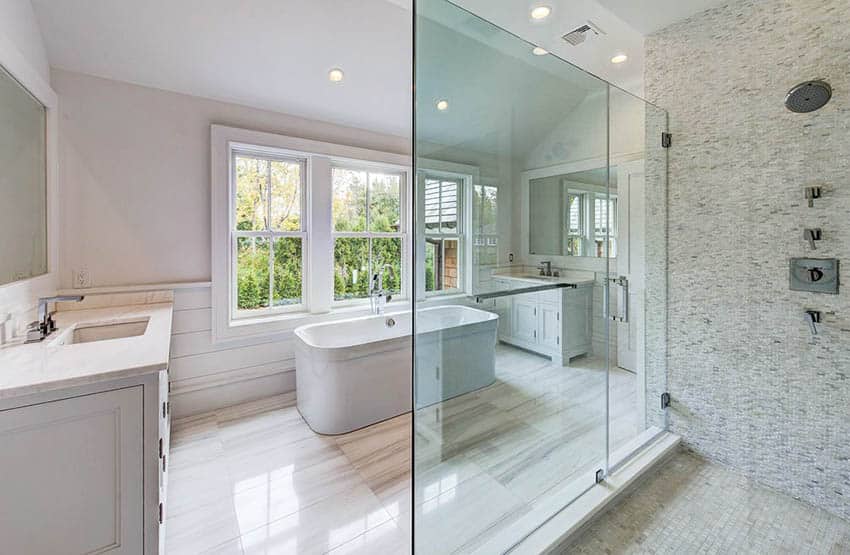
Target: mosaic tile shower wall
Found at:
x=751, y=387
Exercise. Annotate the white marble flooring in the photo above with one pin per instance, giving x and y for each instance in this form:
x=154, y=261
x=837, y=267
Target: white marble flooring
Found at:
x=255, y=479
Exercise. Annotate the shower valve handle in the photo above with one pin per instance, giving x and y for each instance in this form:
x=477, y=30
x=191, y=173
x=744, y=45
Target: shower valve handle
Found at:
x=812, y=234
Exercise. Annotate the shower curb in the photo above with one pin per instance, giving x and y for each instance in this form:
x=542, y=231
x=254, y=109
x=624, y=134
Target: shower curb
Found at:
x=557, y=532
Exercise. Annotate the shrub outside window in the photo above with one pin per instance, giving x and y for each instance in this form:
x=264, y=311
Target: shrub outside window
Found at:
x=267, y=233
x=368, y=230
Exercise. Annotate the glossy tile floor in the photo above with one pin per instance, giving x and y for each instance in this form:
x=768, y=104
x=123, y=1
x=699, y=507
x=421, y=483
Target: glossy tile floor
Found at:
x=255, y=479
x=693, y=506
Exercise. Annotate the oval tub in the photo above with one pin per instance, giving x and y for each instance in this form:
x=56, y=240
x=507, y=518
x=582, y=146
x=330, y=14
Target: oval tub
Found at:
x=356, y=372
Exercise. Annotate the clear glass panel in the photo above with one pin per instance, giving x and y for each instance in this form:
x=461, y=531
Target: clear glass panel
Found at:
x=252, y=273
x=510, y=391
x=351, y=268
x=23, y=183
x=286, y=195
x=636, y=235
x=384, y=202
x=287, y=271
x=386, y=259
x=349, y=200
x=252, y=182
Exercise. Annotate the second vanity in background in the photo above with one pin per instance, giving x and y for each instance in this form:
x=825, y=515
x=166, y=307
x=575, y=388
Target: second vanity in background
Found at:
x=556, y=323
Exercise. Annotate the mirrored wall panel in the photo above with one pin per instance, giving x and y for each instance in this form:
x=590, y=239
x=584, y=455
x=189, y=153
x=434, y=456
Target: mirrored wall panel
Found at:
x=23, y=183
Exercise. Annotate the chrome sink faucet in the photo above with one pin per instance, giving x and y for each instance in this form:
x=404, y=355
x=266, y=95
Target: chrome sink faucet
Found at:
x=545, y=268
x=45, y=325
x=378, y=298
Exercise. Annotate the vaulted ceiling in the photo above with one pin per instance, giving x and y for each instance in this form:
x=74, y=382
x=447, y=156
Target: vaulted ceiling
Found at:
x=276, y=54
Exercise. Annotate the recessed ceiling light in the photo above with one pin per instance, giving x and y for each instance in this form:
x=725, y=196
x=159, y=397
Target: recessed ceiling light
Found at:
x=336, y=75
x=540, y=13
x=619, y=59
x=537, y=51
x=443, y=105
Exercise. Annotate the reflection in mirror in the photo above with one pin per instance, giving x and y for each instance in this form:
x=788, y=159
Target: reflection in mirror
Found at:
x=23, y=183
x=574, y=214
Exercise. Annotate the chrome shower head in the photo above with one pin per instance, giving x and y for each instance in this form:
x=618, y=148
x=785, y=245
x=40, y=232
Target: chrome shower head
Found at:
x=808, y=96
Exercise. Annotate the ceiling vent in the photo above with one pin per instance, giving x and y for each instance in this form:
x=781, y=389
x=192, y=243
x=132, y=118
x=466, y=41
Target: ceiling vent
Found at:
x=579, y=34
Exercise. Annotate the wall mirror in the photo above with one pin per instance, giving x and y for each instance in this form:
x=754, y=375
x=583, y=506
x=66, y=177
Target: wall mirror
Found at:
x=574, y=214
x=23, y=182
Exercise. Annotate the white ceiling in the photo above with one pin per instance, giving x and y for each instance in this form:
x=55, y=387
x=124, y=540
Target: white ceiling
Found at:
x=275, y=54
x=270, y=54
x=648, y=16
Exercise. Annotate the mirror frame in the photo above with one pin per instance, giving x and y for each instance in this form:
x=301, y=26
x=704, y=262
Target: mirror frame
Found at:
x=19, y=296
x=590, y=263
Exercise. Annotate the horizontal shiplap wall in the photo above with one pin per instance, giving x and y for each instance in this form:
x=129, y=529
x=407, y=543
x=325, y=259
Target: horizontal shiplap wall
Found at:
x=205, y=375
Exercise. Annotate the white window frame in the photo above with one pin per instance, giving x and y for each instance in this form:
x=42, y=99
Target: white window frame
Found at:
x=358, y=165
x=463, y=235
x=280, y=155
x=317, y=252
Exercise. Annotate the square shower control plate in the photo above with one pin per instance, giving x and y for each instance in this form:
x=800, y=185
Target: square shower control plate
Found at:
x=816, y=275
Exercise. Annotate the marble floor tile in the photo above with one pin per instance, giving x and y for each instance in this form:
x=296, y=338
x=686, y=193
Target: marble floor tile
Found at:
x=320, y=527
x=255, y=479
x=460, y=518
x=389, y=538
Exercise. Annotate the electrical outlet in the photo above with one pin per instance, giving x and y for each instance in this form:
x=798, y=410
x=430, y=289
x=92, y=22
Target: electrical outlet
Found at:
x=510, y=257
x=82, y=279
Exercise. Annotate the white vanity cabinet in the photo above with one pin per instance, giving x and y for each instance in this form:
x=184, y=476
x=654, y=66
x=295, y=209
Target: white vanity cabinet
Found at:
x=83, y=469
x=556, y=323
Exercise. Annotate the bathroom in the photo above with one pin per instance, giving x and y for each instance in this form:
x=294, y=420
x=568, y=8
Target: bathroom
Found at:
x=463, y=277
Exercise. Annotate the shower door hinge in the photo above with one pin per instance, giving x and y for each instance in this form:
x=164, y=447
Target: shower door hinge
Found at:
x=665, y=400
x=666, y=140
x=600, y=476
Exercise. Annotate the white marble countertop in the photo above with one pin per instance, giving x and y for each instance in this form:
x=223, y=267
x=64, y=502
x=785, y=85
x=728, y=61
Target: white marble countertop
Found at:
x=576, y=277
x=27, y=368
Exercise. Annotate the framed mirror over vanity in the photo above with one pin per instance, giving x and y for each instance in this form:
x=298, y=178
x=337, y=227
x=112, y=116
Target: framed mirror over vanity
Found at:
x=594, y=214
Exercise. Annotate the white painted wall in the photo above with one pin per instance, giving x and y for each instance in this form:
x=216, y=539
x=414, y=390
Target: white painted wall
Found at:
x=135, y=168
x=135, y=164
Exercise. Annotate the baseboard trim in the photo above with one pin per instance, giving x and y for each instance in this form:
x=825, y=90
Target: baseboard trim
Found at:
x=235, y=387
x=229, y=377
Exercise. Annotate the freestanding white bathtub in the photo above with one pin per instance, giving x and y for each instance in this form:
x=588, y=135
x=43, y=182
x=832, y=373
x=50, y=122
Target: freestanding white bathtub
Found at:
x=353, y=373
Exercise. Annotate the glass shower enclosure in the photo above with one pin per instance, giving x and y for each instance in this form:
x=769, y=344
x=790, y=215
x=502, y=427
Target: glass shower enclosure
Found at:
x=539, y=285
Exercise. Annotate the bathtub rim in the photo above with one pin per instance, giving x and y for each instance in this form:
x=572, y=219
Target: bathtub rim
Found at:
x=300, y=335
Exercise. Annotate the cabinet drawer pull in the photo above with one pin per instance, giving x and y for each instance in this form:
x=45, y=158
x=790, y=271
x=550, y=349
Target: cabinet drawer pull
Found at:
x=160, y=513
x=163, y=409
x=163, y=462
x=160, y=447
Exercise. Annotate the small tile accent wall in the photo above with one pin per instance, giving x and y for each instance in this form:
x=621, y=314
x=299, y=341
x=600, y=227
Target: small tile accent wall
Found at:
x=751, y=387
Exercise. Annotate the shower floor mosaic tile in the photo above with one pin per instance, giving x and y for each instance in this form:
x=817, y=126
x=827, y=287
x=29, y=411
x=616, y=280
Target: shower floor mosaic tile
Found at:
x=255, y=479
x=693, y=506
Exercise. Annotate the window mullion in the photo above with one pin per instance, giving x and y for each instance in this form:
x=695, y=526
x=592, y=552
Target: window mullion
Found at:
x=270, y=239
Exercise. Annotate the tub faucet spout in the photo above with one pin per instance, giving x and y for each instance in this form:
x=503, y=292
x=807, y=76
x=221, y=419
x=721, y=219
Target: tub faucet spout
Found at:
x=378, y=298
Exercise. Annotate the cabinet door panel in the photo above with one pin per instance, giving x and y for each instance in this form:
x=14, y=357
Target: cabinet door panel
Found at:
x=549, y=326
x=524, y=320
x=73, y=475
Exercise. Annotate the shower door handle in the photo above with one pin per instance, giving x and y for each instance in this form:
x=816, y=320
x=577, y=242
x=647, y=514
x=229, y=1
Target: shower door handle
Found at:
x=622, y=300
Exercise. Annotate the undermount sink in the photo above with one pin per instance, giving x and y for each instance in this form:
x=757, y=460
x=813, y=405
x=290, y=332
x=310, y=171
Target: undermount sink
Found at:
x=88, y=332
